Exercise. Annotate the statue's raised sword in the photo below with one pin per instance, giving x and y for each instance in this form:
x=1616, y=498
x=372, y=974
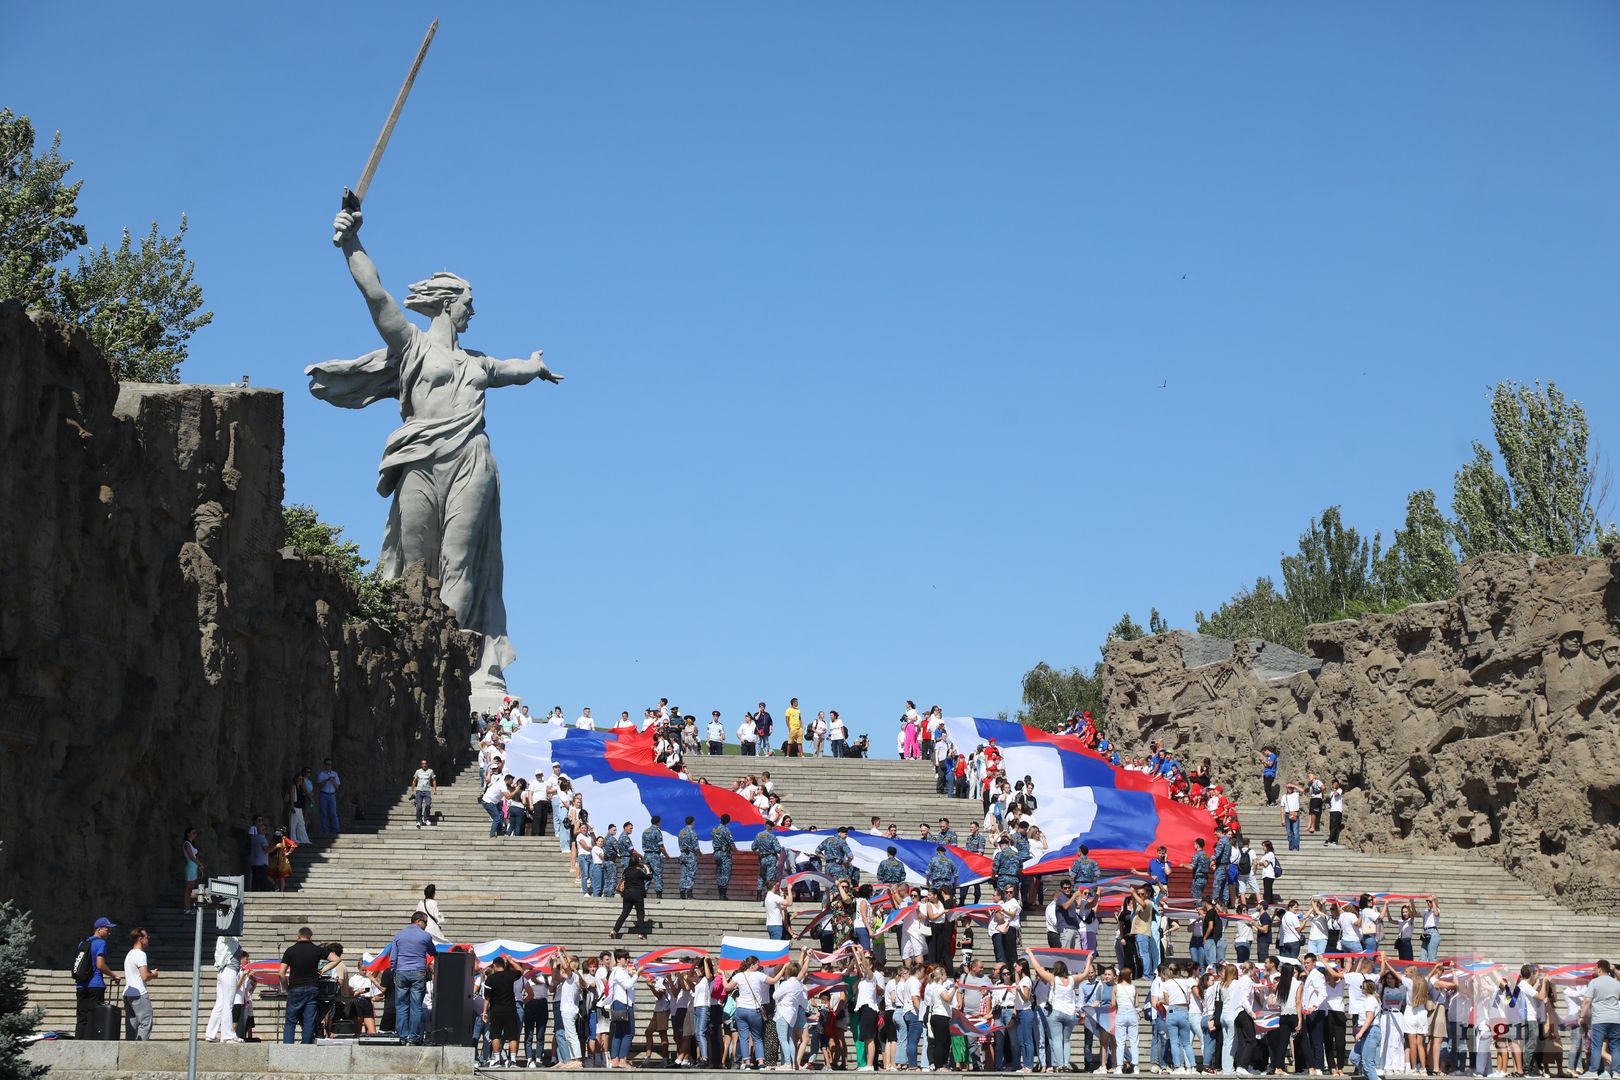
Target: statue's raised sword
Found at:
x=351, y=199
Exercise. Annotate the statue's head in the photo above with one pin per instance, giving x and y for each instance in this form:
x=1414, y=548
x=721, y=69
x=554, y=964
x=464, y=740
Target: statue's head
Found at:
x=1425, y=673
x=443, y=294
x=1593, y=641
x=1568, y=633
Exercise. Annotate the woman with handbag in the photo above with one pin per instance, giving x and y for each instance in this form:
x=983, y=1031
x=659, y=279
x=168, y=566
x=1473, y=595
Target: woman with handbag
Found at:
x=565, y=987
x=752, y=987
x=621, y=999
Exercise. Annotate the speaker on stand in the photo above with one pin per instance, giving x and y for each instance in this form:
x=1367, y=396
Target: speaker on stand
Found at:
x=452, y=999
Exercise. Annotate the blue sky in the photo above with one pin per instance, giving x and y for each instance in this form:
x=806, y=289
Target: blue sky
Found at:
x=906, y=344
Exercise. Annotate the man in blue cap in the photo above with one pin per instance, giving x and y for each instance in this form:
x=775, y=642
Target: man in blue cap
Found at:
x=90, y=977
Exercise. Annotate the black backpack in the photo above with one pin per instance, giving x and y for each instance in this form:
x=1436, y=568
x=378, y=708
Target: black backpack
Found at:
x=84, y=968
x=1244, y=864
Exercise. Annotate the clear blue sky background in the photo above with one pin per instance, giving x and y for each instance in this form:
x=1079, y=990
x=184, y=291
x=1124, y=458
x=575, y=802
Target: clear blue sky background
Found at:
x=867, y=310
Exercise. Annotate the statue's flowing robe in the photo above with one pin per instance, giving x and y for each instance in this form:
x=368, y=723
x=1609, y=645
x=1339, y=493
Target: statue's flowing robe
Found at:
x=441, y=474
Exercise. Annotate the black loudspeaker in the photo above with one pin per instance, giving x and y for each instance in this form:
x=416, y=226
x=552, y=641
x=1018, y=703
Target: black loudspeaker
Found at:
x=452, y=999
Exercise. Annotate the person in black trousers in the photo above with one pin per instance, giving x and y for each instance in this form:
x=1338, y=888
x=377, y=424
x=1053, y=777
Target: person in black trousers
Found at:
x=633, y=893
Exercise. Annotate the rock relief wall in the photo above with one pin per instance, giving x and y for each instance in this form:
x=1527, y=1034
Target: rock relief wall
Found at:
x=1489, y=721
x=164, y=661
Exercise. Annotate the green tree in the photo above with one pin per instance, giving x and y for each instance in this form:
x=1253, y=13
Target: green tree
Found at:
x=1156, y=623
x=1127, y=629
x=1331, y=571
x=17, y=1020
x=138, y=303
x=1547, y=496
x=37, y=208
x=1420, y=565
x=1052, y=695
x=309, y=536
x=1258, y=612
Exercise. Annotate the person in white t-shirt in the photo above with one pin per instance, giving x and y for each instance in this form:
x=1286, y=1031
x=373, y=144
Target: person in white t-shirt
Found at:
x=556, y=718
x=138, y=974
x=621, y=999
x=747, y=735
x=1349, y=929
x=753, y=994
x=776, y=911
x=584, y=721
x=1369, y=924
x=818, y=732
x=1288, y=942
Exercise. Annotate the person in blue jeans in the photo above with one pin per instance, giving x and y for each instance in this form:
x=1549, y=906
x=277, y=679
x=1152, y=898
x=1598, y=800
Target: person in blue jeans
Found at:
x=300, y=974
x=1603, y=1009
x=411, y=947
x=327, y=782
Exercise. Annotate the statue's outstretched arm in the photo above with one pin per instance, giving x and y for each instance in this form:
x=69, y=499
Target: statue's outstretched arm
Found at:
x=518, y=372
x=385, y=310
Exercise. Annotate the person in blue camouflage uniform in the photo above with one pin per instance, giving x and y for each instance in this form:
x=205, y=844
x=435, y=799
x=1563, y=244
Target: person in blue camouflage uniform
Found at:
x=1021, y=845
x=1084, y=870
x=837, y=861
x=1006, y=865
x=613, y=862
x=652, y=849
x=942, y=873
x=974, y=842
x=944, y=834
x=688, y=841
x=723, y=846
x=769, y=850
x=891, y=871
x=1201, y=867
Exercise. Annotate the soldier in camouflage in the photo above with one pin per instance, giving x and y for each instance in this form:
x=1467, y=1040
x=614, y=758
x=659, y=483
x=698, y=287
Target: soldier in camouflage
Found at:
x=652, y=849
x=974, y=842
x=942, y=873
x=688, y=842
x=837, y=860
x=769, y=849
x=724, y=846
x=891, y=871
x=1006, y=865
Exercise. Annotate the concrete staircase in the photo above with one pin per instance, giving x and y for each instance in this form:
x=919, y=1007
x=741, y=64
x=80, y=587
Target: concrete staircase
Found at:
x=1484, y=910
x=361, y=887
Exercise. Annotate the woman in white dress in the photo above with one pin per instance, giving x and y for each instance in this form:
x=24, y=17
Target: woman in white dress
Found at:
x=435, y=922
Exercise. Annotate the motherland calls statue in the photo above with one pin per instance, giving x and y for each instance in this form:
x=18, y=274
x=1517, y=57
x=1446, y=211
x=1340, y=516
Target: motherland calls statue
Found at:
x=438, y=465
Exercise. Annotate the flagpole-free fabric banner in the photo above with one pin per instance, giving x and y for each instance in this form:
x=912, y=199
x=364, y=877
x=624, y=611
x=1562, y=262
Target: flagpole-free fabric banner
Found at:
x=621, y=781
x=1122, y=816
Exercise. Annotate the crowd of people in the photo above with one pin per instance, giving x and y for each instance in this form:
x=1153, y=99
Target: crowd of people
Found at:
x=682, y=735
x=1226, y=976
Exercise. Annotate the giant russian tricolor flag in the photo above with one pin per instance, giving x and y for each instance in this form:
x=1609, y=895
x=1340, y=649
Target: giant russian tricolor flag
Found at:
x=1119, y=814
x=622, y=781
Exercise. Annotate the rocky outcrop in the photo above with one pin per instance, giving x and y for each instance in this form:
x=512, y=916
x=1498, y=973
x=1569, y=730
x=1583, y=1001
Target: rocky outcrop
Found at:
x=164, y=660
x=1488, y=721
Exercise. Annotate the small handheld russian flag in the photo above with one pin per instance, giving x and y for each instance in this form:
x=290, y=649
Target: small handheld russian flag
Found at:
x=734, y=950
